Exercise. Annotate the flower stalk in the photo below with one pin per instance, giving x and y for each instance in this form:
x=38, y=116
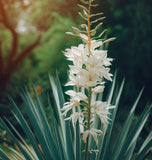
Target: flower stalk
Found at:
x=90, y=90
x=88, y=123
x=89, y=26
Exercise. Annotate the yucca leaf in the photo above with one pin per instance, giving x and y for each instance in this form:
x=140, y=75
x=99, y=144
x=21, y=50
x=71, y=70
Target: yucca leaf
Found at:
x=78, y=144
x=109, y=99
x=144, y=151
x=59, y=99
x=14, y=157
x=133, y=135
x=113, y=112
x=16, y=154
x=46, y=127
x=59, y=142
x=62, y=143
x=102, y=137
x=3, y=155
x=27, y=130
x=24, y=152
x=69, y=144
x=25, y=145
x=55, y=93
x=145, y=147
x=120, y=141
x=111, y=90
x=65, y=125
x=148, y=139
x=60, y=92
x=58, y=135
x=37, y=125
x=53, y=118
x=129, y=154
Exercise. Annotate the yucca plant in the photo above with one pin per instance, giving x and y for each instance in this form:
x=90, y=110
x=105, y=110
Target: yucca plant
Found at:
x=89, y=135
x=61, y=140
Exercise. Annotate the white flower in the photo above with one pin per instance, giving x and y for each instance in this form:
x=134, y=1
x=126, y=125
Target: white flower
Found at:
x=84, y=37
x=77, y=80
x=76, y=54
x=98, y=89
x=75, y=116
x=102, y=55
x=95, y=44
x=77, y=96
x=83, y=79
x=93, y=132
x=69, y=105
x=105, y=73
x=102, y=110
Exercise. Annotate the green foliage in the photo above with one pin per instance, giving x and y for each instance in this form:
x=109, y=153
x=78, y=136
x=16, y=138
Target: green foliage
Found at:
x=47, y=57
x=130, y=22
x=59, y=139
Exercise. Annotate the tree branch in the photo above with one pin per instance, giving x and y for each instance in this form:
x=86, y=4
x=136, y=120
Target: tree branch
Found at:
x=24, y=53
x=5, y=21
x=13, y=51
x=1, y=61
x=2, y=10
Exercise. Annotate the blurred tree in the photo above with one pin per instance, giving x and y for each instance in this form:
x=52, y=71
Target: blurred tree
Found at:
x=20, y=22
x=44, y=20
x=10, y=60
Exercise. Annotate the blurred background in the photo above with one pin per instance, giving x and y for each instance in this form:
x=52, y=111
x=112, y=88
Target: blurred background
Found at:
x=32, y=41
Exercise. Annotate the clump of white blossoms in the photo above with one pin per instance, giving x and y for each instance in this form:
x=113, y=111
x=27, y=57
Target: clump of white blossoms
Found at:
x=88, y=73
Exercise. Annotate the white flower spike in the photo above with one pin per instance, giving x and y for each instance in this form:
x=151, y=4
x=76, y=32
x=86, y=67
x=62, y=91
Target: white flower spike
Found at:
x=87, y=74
x=93, y=132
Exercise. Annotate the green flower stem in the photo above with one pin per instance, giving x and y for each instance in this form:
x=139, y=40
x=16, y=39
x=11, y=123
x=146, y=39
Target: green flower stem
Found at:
x=88, y=123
